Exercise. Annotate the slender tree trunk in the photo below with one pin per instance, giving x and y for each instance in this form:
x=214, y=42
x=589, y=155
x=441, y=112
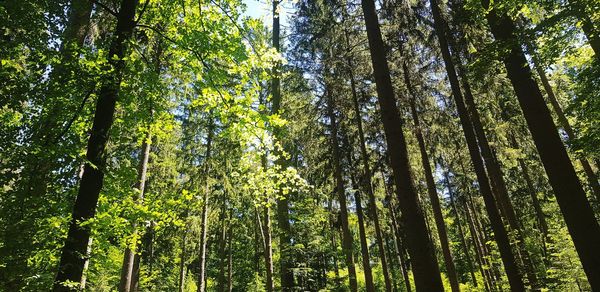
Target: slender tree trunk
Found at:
x=230, y=257
x=339, y=189
x=539, y=213
x=129, y=255
x=578, y=214
x=486, y=273
x=500, y=234
x=366, y=182
x=460, y=230
x=400, y=250
x=333, y=241
x=389, y=240
x=431, y=188
x=425, y=268
x=147, y=241
x=364, y=247
x=204, y=214
x=268, y=250
x=498, y=184
x=492, y=166
x=182, y=260
x=221, y=283
x=397, y=236
x=258, y=240
x=71, y=263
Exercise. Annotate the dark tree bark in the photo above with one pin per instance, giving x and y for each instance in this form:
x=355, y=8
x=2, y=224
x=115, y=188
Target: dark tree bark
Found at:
x=578, y=213
x=71, y=263
x=500, y=234
x=591, y=30
x=129, y=255
x=425, y=268
x=492, y=166
x=592, y=178
x=339, y=189
x=403, y=263
x=431, y=188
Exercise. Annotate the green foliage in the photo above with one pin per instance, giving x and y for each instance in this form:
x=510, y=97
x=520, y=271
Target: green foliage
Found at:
x=202, y=70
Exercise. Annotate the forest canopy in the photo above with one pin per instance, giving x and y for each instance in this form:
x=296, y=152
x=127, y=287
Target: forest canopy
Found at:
x=331, y=145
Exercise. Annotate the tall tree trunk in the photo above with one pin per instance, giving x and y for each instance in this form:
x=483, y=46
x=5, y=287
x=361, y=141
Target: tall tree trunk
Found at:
x=500, y=234
x=129, y=255
x=283, y=218
x=390, y=248
x=221, y=283
x=366, y=177
x=431, y=188
x=498, y=184
x=268, y=249
x=425, y=269
x=204, y=214
x=578, y=214
x=591, y=31
x=397, y=237
x=340, y=191
x=71, y=263
x=366, y=183
x=592, y=178
x=492, y=166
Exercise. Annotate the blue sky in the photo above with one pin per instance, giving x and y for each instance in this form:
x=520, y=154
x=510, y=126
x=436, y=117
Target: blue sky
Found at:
x=261, y=9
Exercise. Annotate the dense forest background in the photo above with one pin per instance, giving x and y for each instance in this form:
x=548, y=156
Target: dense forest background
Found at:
x=393, y=145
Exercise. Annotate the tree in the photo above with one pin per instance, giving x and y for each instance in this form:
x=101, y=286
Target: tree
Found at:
x=565, y=183
x=71, y=262
x=420, y=248
x=500, y=234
